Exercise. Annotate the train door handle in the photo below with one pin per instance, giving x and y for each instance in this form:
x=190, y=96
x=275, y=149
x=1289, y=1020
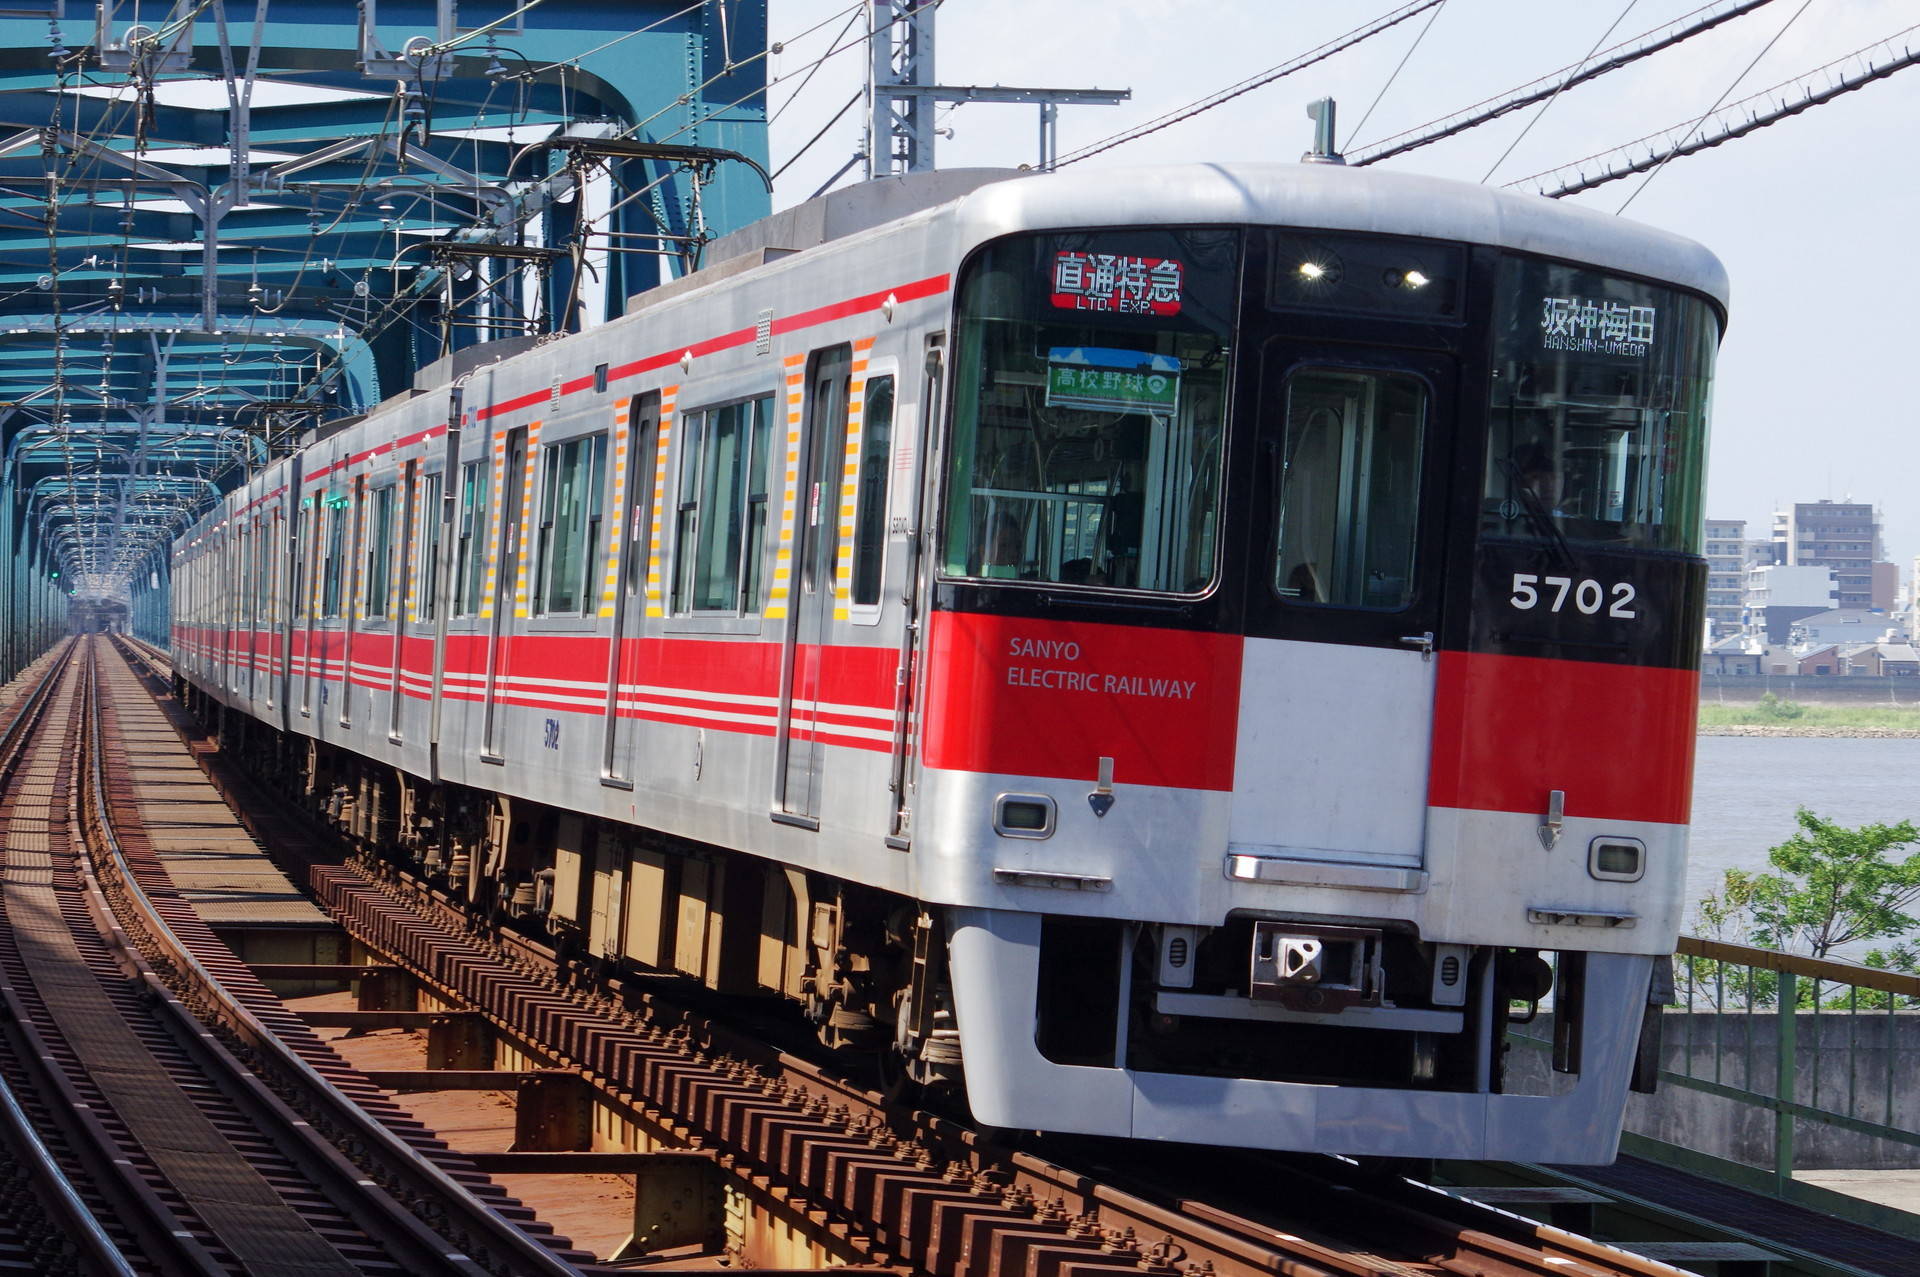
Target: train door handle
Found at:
x=1422, y=641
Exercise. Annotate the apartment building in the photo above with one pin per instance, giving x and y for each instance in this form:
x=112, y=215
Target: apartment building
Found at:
x=1842, y=535
x=1726, y=573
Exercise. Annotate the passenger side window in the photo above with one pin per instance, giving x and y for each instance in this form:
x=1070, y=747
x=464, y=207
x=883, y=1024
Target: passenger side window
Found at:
x=870, y=523
x=721, y=523
x=339, y=510
x=1350, y=488
x=469, y=571
x=276, y=572
x=427, y=573
x=572, y=501
x=302, y=533
x=641, y=472
x=379, y=553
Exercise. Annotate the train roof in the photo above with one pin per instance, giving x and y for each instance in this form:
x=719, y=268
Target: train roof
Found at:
x=984, y=204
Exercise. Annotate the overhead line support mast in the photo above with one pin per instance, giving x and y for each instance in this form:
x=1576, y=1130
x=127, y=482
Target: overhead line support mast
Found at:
x=901, y=93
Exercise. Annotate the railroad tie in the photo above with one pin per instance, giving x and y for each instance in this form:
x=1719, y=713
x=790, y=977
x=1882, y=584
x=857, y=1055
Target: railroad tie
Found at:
x=240, y=1207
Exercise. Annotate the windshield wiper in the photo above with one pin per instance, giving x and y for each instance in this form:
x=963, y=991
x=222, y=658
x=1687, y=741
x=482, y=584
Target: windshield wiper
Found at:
x=1537, y=513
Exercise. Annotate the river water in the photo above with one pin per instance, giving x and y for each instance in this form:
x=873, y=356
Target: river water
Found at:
x=1745, y=790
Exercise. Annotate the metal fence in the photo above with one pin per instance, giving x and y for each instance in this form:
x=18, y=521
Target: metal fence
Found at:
x=1772, y=1063
x=1829, y=1049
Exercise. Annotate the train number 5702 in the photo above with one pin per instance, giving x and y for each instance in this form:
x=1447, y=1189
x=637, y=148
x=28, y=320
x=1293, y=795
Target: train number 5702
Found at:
x=1530, y=590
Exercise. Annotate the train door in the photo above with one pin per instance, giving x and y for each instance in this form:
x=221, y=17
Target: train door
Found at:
x=1344, y=605
x=639, y=439
x=224, y=614
x=353, y=605
x=815, y=545
x=912, y=593
x=460, y=516
x=233, y=596
x=511, y=456
x=308, y=528
x=329, y=518
x=241, y=584
x=277, y=590
x=402, y=602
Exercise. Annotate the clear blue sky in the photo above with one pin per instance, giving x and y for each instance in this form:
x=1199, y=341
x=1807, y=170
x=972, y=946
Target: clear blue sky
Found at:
x=1815, y=217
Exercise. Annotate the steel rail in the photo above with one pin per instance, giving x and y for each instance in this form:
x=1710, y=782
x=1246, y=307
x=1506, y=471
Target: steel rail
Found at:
x=156, y=1228
x=309, y=1162
x=525, y=1253
x=98, y=1252
x=12, y=738
x=719, y=1082
x=56, y=1192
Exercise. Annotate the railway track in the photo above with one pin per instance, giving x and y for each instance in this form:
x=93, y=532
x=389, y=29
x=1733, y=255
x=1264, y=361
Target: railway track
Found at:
x=921, y=1189
x=166, y=1114
x=907, y=1190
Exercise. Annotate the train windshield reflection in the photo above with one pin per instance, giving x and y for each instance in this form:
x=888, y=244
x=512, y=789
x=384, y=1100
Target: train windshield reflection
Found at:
x=1090, y=391
x=1599, y=408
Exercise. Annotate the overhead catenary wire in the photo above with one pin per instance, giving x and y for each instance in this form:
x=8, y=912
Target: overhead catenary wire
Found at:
x=1647, y=43
x=1717, y=102
x=800, y=88
x=1748, y=115
x=381, y=311
x=837, y=115
x=655, y=25
x=1340, y=44
x=1404, y=59
x=1558, y=89
x=725, y=107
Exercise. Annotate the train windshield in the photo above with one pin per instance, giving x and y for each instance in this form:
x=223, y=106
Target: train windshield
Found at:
x=1599, y=408
x=1090, y=385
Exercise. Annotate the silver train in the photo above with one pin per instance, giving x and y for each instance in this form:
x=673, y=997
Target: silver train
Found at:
x=1189, y=653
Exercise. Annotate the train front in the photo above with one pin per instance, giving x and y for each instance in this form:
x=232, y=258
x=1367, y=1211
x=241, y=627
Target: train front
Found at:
x=1311, y=684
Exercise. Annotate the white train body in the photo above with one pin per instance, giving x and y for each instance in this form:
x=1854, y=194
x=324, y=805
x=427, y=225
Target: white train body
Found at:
x=1055, y=566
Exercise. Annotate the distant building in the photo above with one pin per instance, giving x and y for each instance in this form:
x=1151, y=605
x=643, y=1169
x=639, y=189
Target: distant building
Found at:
x=1820, y=658
x=1726, y=573
x=1842, y=535
x=1849, y=625
x=1886, y=660
x=1913, y=599
x=1886, y=586
x=1777, y=596
x=1734, y=655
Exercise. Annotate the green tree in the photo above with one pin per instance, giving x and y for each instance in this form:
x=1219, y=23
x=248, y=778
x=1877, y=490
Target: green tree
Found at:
x=1835, y=886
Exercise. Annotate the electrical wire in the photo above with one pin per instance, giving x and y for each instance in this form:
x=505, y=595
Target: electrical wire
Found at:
x=394, y=307
x=1782, y=101
x=1557, y=91
x=445, y=46
x=795, y=157
x=1647, y=43
x=802, y=88
x=1717, y=102
x=1431, y=19
x=1340, y=44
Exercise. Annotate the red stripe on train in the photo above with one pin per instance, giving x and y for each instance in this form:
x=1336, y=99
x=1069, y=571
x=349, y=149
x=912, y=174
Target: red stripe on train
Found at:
x=1051, y=698
x=1616, y=739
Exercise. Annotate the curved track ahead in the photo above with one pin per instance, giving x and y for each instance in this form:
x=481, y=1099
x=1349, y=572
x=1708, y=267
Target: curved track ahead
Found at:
x=147, y=1145
x=901, y=1188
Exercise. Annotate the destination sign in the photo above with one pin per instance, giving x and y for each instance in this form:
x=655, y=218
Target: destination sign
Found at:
x=1596, y=327
x=1115, y=283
